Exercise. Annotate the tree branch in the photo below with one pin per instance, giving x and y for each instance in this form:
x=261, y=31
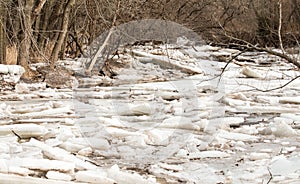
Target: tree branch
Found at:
x=262, y=49
x=39, y=7
x=98, y=53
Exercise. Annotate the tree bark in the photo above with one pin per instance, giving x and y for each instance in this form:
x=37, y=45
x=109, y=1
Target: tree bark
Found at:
x=25, y=44
x=39, y=7
x=2, y=34
x=62, y=35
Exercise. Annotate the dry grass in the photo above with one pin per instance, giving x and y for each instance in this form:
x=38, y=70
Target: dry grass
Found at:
x=11, y=55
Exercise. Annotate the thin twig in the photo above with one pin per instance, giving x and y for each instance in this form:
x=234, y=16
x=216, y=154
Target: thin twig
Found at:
x=271, y=176
x=273, y=89
x=19, y=137
x=230, y=61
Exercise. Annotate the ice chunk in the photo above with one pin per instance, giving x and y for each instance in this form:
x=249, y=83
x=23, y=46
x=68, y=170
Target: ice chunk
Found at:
x=135, y=110
x=58, y=176
x=208, y=154
x=258, y=156
x=9, y=178
x=126, y=178
x=43, y=164
x=85, y=151
x=237, y=136
x=251, y=72
x=24, y=130
x=98, y=177
x=21, y=88
x=282, y=129
x=291, y=100
x=179, y=122
x=285, y=166
x=167, y=95
x=159, y=137
x=3, y=166
x=20, y=171
x=60, y=154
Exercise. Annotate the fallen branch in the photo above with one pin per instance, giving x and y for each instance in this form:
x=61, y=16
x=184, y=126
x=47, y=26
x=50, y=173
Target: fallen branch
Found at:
x=273, y=89
x=99, y=51
x=230, y=61
x=250, y=46
x=271, y=176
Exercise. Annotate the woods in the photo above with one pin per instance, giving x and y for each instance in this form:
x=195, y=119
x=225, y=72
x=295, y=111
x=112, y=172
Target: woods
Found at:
x=149, y=91
x=46, y=31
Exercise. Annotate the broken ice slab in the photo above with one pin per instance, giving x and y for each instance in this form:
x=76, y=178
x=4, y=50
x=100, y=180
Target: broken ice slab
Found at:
x=249, y=72
x=54, y=175
x=208, y=154
x=6, y=168
x=282, y=129
x=223, y=123
x=258, y=156
x=96, y=176
x=290, y=100
x=237, y=136
x=295, y=117
x=203, y=54
x=23, y=130
x=122, y=133
x=60, y=154
x=167, y=95
x=235, y=102
x=165, y=61
x=32, y=108
x=134, y=109
x=179, y=122
x=265, y=109
x=283, y=166
x=76, y=144
x=127, y=178
x=20, y=171
x=49, y=112
x=158, y=137
x=42, y=164
x=12, y=179
x=171, y=167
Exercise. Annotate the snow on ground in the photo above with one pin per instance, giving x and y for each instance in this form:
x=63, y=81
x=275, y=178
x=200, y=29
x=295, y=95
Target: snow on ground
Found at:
x=166, y=117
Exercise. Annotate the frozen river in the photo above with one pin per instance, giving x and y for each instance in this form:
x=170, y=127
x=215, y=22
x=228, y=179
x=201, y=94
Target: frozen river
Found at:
x=159, y=120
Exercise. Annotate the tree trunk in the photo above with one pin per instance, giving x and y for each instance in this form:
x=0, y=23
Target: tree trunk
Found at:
x=62, y=35
x=25, y=44
x=2, y=34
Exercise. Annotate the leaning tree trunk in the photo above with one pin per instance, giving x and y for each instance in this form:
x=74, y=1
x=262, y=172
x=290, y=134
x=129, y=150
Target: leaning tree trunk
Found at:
x=65, y=24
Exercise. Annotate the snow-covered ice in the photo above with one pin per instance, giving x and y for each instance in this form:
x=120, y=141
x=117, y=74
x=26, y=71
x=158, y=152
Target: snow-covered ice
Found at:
x=164, y=118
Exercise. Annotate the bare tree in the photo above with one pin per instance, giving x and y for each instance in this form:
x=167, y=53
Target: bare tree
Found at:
x=25, y=7
x=64, y=30
x=45, y=31
x=3, y=11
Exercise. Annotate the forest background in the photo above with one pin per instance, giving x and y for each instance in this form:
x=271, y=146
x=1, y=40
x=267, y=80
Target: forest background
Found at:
x=46, y=30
